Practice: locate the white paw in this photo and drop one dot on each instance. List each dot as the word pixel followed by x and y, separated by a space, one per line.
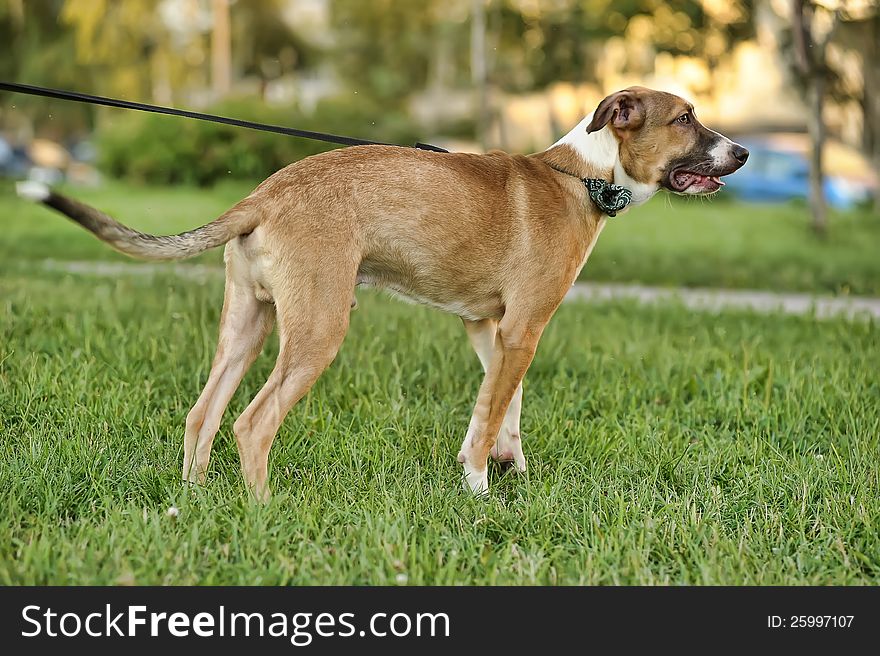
pixel 475 480
pixel 508 448
pixel 193 473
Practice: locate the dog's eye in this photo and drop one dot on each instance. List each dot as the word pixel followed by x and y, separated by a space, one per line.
pixel 684 118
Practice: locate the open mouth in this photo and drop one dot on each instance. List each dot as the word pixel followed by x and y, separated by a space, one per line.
pixel 682 180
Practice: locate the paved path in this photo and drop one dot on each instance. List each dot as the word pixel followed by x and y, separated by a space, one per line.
pixel 111 269
pixel 852 307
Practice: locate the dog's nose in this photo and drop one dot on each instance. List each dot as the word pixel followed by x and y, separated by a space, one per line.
pixel 740 153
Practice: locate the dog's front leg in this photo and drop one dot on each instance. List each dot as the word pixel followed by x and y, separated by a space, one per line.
pixel 512 352
pixel 508 446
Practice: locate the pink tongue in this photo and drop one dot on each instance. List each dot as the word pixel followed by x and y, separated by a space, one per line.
pixel 701 179
pixel 689 178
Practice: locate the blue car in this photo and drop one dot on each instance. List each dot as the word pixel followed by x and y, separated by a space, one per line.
pixel 14 162
pixel 778 170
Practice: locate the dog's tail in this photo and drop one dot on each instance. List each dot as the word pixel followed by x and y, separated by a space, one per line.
pixel 239 220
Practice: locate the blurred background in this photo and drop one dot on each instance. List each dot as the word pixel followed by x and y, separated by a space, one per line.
pixel 796 81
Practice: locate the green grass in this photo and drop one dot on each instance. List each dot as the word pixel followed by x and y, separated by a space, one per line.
pixel 670 241
pixel 719 243
pixel 32 232
pixel 664 446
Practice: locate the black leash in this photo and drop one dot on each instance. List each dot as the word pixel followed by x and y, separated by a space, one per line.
pixel 157 109
pixel 610 198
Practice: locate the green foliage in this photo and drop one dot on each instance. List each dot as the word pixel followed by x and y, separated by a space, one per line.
pixel 124 44
pixel 36 49
pixel 161 150
pixel 385 48
pixel 391 48
pixel 25 29
pixel 263 44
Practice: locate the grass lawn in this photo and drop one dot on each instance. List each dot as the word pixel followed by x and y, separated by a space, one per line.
pixel 670 241
pixel 664 446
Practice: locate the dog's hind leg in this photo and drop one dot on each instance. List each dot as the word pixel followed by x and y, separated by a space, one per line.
pixel 312 322
pixel 508 446
pixel 244 324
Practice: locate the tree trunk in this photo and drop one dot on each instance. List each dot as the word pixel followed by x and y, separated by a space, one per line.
pixel 221 49
pixel 816 128
pixel 16 10
pixel 810 64
pixel 441 72
pixel 162 92
pixel 478 68
pixel 871 98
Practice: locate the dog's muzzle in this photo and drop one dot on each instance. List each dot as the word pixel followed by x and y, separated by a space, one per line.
pixel 703 176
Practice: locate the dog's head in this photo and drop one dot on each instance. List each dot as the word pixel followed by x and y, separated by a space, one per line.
pixel 662 144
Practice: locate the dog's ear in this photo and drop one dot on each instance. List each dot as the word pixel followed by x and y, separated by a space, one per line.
pixel 622 109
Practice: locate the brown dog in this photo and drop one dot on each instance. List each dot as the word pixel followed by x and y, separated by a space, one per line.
pixel 497 239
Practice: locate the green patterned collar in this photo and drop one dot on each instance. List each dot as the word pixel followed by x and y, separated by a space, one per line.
pixel 608 197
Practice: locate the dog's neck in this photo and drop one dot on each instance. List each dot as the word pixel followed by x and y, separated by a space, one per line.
pixel 595 155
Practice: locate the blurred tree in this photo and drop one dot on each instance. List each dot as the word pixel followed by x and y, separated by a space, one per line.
pixel 834 57
pixel 547 42
pixel 117 39
pixel 813 26
pixel 387 47
pixel 389 44
pixel 859 35
pixel 871 91
pixel 264 45
pixel 37 50
pixel 221 48
pixel 390 49
pixel 479 74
